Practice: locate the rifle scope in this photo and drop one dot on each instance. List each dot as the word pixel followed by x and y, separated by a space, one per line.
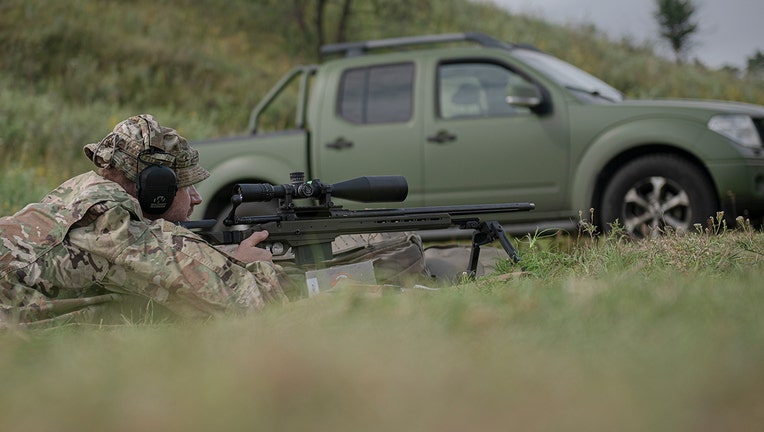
pixel 362 189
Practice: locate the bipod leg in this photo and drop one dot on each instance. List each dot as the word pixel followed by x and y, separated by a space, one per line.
pixel 498 233
pixel 474 256
pixel 485 233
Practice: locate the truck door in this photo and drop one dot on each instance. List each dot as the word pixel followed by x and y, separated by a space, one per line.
pixel 480 149
pixel 368 125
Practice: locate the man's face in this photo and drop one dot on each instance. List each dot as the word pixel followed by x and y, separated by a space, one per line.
pixel 183 205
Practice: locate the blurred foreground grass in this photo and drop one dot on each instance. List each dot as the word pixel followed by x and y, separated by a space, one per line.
pixel 607 334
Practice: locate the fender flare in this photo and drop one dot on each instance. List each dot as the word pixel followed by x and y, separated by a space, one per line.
pixel 647 135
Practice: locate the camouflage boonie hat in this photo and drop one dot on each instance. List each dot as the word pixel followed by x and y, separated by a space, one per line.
pixel 141 133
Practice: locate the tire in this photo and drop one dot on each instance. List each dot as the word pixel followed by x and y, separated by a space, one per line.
pixel 654 193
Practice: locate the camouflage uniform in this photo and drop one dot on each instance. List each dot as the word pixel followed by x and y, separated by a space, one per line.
pixel 86 251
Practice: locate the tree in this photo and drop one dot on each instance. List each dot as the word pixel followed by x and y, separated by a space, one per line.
pixel 675 18
pixel 755 64
pixel 334 21
pixel 315 35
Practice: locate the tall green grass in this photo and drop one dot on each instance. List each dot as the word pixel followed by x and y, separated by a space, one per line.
pixel 41 139
pixel 19 186
pixel 659 335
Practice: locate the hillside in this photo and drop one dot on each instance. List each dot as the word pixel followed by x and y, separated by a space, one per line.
pixel 70 70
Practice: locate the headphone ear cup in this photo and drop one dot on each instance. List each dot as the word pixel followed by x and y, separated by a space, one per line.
pixel 156 188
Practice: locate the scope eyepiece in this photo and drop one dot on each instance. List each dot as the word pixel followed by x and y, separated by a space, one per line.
pixel 258 192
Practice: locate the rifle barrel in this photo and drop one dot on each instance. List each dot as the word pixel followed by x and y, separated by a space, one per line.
pixel 458 210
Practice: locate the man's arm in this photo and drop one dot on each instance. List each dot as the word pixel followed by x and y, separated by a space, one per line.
pixel 173 267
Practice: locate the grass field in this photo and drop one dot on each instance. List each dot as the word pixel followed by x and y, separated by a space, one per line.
pixel 607 334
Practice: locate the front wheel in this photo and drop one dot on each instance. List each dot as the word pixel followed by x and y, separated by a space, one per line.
pixel 658 192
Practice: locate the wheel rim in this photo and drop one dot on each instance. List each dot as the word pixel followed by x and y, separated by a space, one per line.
pixel 653 204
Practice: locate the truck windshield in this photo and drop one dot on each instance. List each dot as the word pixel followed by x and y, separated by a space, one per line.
pixel 584 85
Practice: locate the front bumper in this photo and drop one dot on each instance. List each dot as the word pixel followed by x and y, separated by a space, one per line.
pixel 740 186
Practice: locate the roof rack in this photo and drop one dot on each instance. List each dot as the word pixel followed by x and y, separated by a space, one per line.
pixel 352 49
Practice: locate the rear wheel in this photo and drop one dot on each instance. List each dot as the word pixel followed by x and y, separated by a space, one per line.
pixel 658 192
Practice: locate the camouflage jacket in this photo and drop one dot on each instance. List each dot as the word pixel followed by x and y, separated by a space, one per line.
pixel 86 248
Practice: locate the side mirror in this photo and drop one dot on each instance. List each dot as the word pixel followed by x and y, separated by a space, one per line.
pixel 523 95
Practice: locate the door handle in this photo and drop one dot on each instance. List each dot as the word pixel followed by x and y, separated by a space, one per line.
pixel 441 137
pixel 339 144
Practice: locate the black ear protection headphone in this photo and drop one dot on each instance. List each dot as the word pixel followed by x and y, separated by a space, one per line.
pixel 157 184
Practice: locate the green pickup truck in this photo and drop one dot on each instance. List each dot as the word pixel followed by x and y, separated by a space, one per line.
pixel 468 119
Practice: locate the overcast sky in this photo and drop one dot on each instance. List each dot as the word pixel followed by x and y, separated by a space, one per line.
pixel 729 31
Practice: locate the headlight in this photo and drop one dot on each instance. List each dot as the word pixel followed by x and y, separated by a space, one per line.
pixel 738 128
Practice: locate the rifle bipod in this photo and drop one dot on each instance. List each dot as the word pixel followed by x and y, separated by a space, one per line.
pixel 487 232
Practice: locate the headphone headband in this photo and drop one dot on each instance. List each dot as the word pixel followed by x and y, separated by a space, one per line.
pixel 156 156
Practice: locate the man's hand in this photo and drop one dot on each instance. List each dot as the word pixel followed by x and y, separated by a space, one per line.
pixel 248 250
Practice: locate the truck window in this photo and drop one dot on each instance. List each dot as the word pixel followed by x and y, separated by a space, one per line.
pixel 377 94
pixel 475 90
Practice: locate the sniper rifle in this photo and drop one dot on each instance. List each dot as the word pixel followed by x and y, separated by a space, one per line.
pixel 308 231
